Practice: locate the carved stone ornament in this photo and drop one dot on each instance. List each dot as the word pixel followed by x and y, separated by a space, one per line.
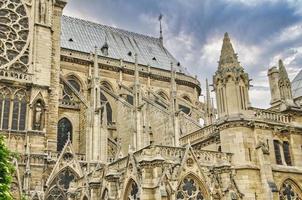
pixel 14 31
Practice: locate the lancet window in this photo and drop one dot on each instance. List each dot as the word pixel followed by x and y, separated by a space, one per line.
pixel 5 96
pixel 64 132
pixel 286 151
pixel 19 111
pixel 105 102
pixel 277 152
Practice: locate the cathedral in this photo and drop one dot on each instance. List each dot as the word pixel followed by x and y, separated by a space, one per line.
pixel 96 112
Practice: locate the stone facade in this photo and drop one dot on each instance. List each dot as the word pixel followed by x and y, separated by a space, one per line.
pixel 121 120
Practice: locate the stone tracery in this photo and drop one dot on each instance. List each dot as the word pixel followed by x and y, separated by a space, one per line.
pixel 14 30
pixel 189 189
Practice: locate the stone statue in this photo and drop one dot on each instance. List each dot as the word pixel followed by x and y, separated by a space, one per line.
pixel 264 147
pixel 42 11
pixel 38 114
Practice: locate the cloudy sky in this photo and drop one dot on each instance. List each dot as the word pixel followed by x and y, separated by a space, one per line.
pixel 262 31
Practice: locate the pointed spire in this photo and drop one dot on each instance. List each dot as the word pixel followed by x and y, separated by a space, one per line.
pixel 228 57
pixel 282 71
pixel 161 39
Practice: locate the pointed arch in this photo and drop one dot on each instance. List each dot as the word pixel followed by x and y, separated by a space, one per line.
pixel 61 183
pixel 132 191
pixel 105 194
pixel 191 187
pixel 19 110
pixel 64 131
pixel 5 99
pixel 104 101
pixel 163 94
pixel 75 77
pixel 106 84
pixel 290 190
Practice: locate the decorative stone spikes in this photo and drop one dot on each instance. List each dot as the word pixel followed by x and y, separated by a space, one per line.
pixel 282 71
pixel 228 58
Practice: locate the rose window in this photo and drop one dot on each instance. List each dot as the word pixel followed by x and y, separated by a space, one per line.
pixel 14 30
pixel 189 189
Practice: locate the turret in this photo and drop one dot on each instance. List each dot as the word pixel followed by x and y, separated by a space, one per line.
pixel 231 83
pixel 273 77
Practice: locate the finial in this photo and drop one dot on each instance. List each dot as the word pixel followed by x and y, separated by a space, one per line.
pixel 226 35
pixel 160 29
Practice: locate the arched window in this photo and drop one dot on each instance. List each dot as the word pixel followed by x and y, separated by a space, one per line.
pixel 74 82
pixel 67 92
pixel 60 185
pixel 277 152
pixel 19 111
pixel 108 108
pixel 290 191
pixel 38 115
pixel 132 191
pixel 64 131
pixel 286 151
pixel 4 107
pixel 189 188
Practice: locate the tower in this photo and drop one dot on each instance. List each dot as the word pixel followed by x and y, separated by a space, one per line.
pixel 231 83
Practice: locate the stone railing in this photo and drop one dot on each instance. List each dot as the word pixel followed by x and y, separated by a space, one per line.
pixel 53 155
pixel 212 157
pixel 204 157
pixel 15 76
pixel 272 116
pixel 69 104
pixel 197 135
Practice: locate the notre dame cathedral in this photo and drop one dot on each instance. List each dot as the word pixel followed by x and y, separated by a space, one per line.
pixel 96 112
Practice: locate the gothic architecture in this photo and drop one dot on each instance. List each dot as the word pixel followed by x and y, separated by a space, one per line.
pixel 95 112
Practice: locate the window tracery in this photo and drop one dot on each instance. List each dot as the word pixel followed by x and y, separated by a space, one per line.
pixel 14 30
pixel 5 95
pixel 289 191
pixel 61 185
pixel 19 111
pixel 64 132
pixel 189 189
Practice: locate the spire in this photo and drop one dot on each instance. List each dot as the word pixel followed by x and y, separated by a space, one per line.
pixel 282 71
pixel 228 57
pixel 160 29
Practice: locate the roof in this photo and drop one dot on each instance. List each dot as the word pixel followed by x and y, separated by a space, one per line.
pixel 83 36
pixel 297 85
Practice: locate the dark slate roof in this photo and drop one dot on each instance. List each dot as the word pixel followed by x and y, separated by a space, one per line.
pixel 83 36
pixel 297 85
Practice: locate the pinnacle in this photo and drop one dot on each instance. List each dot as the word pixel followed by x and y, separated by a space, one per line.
pixel 228 57
pixel 282 70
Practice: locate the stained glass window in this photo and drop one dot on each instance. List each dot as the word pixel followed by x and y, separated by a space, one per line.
pixel 19 111
pixel 64 131
pixel 189 189
pixel 290 191
pixel 61 185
